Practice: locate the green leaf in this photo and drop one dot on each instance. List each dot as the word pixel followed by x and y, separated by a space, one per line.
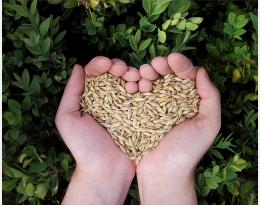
pixel 44 27
pixel 21 10
pixel 38 167
pixel 125 1
pixel 11 172
pixel 166 24
pixel 41 190
pixel 13 105
pixel 152 50
pixel 228 29
pixel 191 26
pixel 22 199
pixel 239 32
pixel 26 77
pixel 65 164
pixel 238 164
pixel 181 24
pixel 46 44
pixel 26 104
pixel 33 7
pixel 241 21
pixel 196 20
pixel 160 7
pixel 138 36
pixel 54 185
pixel 216 153
pixel 132 42
pixel 14 134
pixel 160 49
pixel 147 5
pixel 29 189
pixel 232 18
pixel 70 4
pixel 35 86
pixel 178 6
pixel 13 118
pixel 55 1
pixel 144 44
pixel 162 36
pixel 254 20
pixel 233 189
pixel 146 26
pixel 28 42
pixel 59 37
pixel 8 185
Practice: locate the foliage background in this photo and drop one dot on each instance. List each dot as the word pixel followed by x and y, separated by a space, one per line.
pixel 43 39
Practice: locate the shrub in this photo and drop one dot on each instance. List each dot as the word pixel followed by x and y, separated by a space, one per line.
pixel 43 39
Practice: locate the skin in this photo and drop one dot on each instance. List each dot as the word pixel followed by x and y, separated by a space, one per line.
pixel 103 173
pixel 169 168
pixel 131 87
pixel 118 67
pixel 132 74
pixel 160 65
pixel 145 85
pixel 165 175
pixel 148 72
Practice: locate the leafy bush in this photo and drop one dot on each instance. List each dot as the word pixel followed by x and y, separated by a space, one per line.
pixel 43 39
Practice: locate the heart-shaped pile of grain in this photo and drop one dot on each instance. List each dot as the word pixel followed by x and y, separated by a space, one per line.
pixel 137 122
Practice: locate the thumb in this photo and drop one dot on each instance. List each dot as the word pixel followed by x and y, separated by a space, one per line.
pixel 70 101
pixel 210 107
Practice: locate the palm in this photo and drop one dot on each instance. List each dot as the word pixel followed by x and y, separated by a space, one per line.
pixel 93 147
pixel 185 144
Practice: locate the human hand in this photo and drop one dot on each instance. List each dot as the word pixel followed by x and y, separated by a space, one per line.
pixel 166 174
pixel 103 173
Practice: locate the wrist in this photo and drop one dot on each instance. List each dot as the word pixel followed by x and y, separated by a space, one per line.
pixel 172 187
pixel 106 186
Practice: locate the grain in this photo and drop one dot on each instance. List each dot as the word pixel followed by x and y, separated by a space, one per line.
pixel 137 122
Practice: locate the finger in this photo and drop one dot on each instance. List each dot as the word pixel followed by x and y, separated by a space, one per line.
pixel 98 65
pixel 118 67
pixel 210 106
pixel 131 87
pixel 181 66
pixel 145 85
pixel 70 101
pixel 148 72
pixel 161 66
pixel 132 74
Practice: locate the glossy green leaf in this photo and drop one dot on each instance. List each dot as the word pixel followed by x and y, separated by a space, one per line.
pixel 162 36
pixel 29 189
pixel 160 6
pixel 41 190
pixel 22 11
pixel 144 44
pixel 44 27
pixel 13 105
pixel 138 36
pixel 132 42
pixel 147 5
pixel 26 76
pixel 70 4
pixel 35 86
pixel 33 7
pixel 232 18
pixel 146 26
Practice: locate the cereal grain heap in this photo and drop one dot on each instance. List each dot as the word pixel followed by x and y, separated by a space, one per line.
pixel 137 122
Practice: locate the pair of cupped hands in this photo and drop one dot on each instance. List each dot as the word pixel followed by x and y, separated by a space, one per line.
pixel 165 175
